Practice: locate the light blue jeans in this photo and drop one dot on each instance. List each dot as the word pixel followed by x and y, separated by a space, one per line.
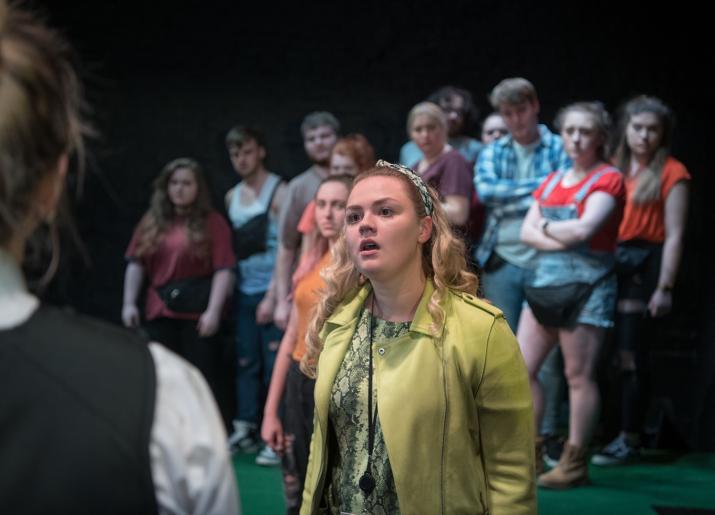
pixel 504 288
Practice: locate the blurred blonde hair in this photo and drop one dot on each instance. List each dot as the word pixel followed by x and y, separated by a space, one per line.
pixel 597 111
pixel 443 261
pixel 429 109
pixel 40 111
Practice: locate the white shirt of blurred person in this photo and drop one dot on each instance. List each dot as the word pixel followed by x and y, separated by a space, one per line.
pixel 320 132
pixel 493 128
pixel 459 107
pixel 188 469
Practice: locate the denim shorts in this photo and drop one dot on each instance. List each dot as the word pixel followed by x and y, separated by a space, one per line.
pixel 600 307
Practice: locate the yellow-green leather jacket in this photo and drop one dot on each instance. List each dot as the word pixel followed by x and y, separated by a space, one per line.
pixel 455 410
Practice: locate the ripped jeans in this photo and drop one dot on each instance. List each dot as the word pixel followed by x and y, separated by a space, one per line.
pixel 256 348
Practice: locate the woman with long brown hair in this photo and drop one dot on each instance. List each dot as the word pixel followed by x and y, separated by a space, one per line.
pixel 422 401
pixel 183 247
pixel 650 246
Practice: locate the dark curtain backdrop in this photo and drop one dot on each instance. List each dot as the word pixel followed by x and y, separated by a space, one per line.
pixel 168 79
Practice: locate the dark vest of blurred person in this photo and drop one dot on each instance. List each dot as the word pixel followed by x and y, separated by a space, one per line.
pixel 96 387
pixel 93 419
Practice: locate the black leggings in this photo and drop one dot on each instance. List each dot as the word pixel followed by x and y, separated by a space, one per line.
pixel 298 426
pixel 182 337
pixel 638 269
pixel 633 334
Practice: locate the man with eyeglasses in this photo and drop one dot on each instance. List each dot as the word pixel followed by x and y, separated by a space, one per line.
pixel 493 128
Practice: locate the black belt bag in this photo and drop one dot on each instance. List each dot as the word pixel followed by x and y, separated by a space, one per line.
pixel 250 238
pixel 560 306
pixel 186 295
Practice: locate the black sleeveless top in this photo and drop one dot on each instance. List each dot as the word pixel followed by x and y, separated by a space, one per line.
pixel 76 410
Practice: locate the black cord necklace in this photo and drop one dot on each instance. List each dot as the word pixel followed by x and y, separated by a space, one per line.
pixel 367 481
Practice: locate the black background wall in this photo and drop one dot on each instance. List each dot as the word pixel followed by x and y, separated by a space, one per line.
pixel 167 79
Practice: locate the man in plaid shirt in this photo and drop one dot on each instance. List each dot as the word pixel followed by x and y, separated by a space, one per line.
pixel 507 172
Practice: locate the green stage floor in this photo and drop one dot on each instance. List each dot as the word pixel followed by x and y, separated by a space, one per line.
pixel 663 483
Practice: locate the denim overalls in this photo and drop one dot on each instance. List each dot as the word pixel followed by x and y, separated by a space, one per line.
pixel 579 263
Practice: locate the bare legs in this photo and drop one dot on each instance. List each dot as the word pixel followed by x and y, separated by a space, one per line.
pixel 580 347
pixel 535 342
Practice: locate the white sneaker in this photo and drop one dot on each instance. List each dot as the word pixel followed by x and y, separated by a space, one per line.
pixel 618 452
pixel 244 437
pixel 268 458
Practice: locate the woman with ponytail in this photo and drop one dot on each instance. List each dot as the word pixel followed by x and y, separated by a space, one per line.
pixel 422 400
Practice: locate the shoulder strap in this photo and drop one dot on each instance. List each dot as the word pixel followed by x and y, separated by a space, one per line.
pixel 273 193
pixel 552 184
pixel 586 187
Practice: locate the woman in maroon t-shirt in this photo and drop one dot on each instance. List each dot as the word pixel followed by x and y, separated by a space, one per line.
pixel 574 224
pixel 179 238
pixel 442 167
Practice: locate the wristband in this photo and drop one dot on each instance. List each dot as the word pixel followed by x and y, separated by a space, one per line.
pixel 544 225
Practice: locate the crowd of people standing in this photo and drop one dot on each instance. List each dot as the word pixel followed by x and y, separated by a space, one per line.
pixel 401 330
pixel 556 225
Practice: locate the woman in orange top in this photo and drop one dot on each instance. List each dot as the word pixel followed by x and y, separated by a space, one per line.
pixel 291 438
pixel 650 247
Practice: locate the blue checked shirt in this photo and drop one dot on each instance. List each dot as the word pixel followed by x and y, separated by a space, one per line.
pixel 506 195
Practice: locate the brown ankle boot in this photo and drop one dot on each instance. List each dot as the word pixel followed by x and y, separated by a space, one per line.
pixel 539 461
pixel 572 469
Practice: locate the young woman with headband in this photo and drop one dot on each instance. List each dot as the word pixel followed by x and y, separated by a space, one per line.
pixel 422 401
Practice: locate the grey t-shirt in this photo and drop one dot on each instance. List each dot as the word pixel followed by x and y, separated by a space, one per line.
pixel 301 190
pixel 509 245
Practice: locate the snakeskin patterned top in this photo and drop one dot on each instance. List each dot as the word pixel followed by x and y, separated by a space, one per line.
pixel 349 422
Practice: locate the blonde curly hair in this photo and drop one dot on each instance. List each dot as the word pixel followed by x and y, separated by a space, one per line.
pixel 443 261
